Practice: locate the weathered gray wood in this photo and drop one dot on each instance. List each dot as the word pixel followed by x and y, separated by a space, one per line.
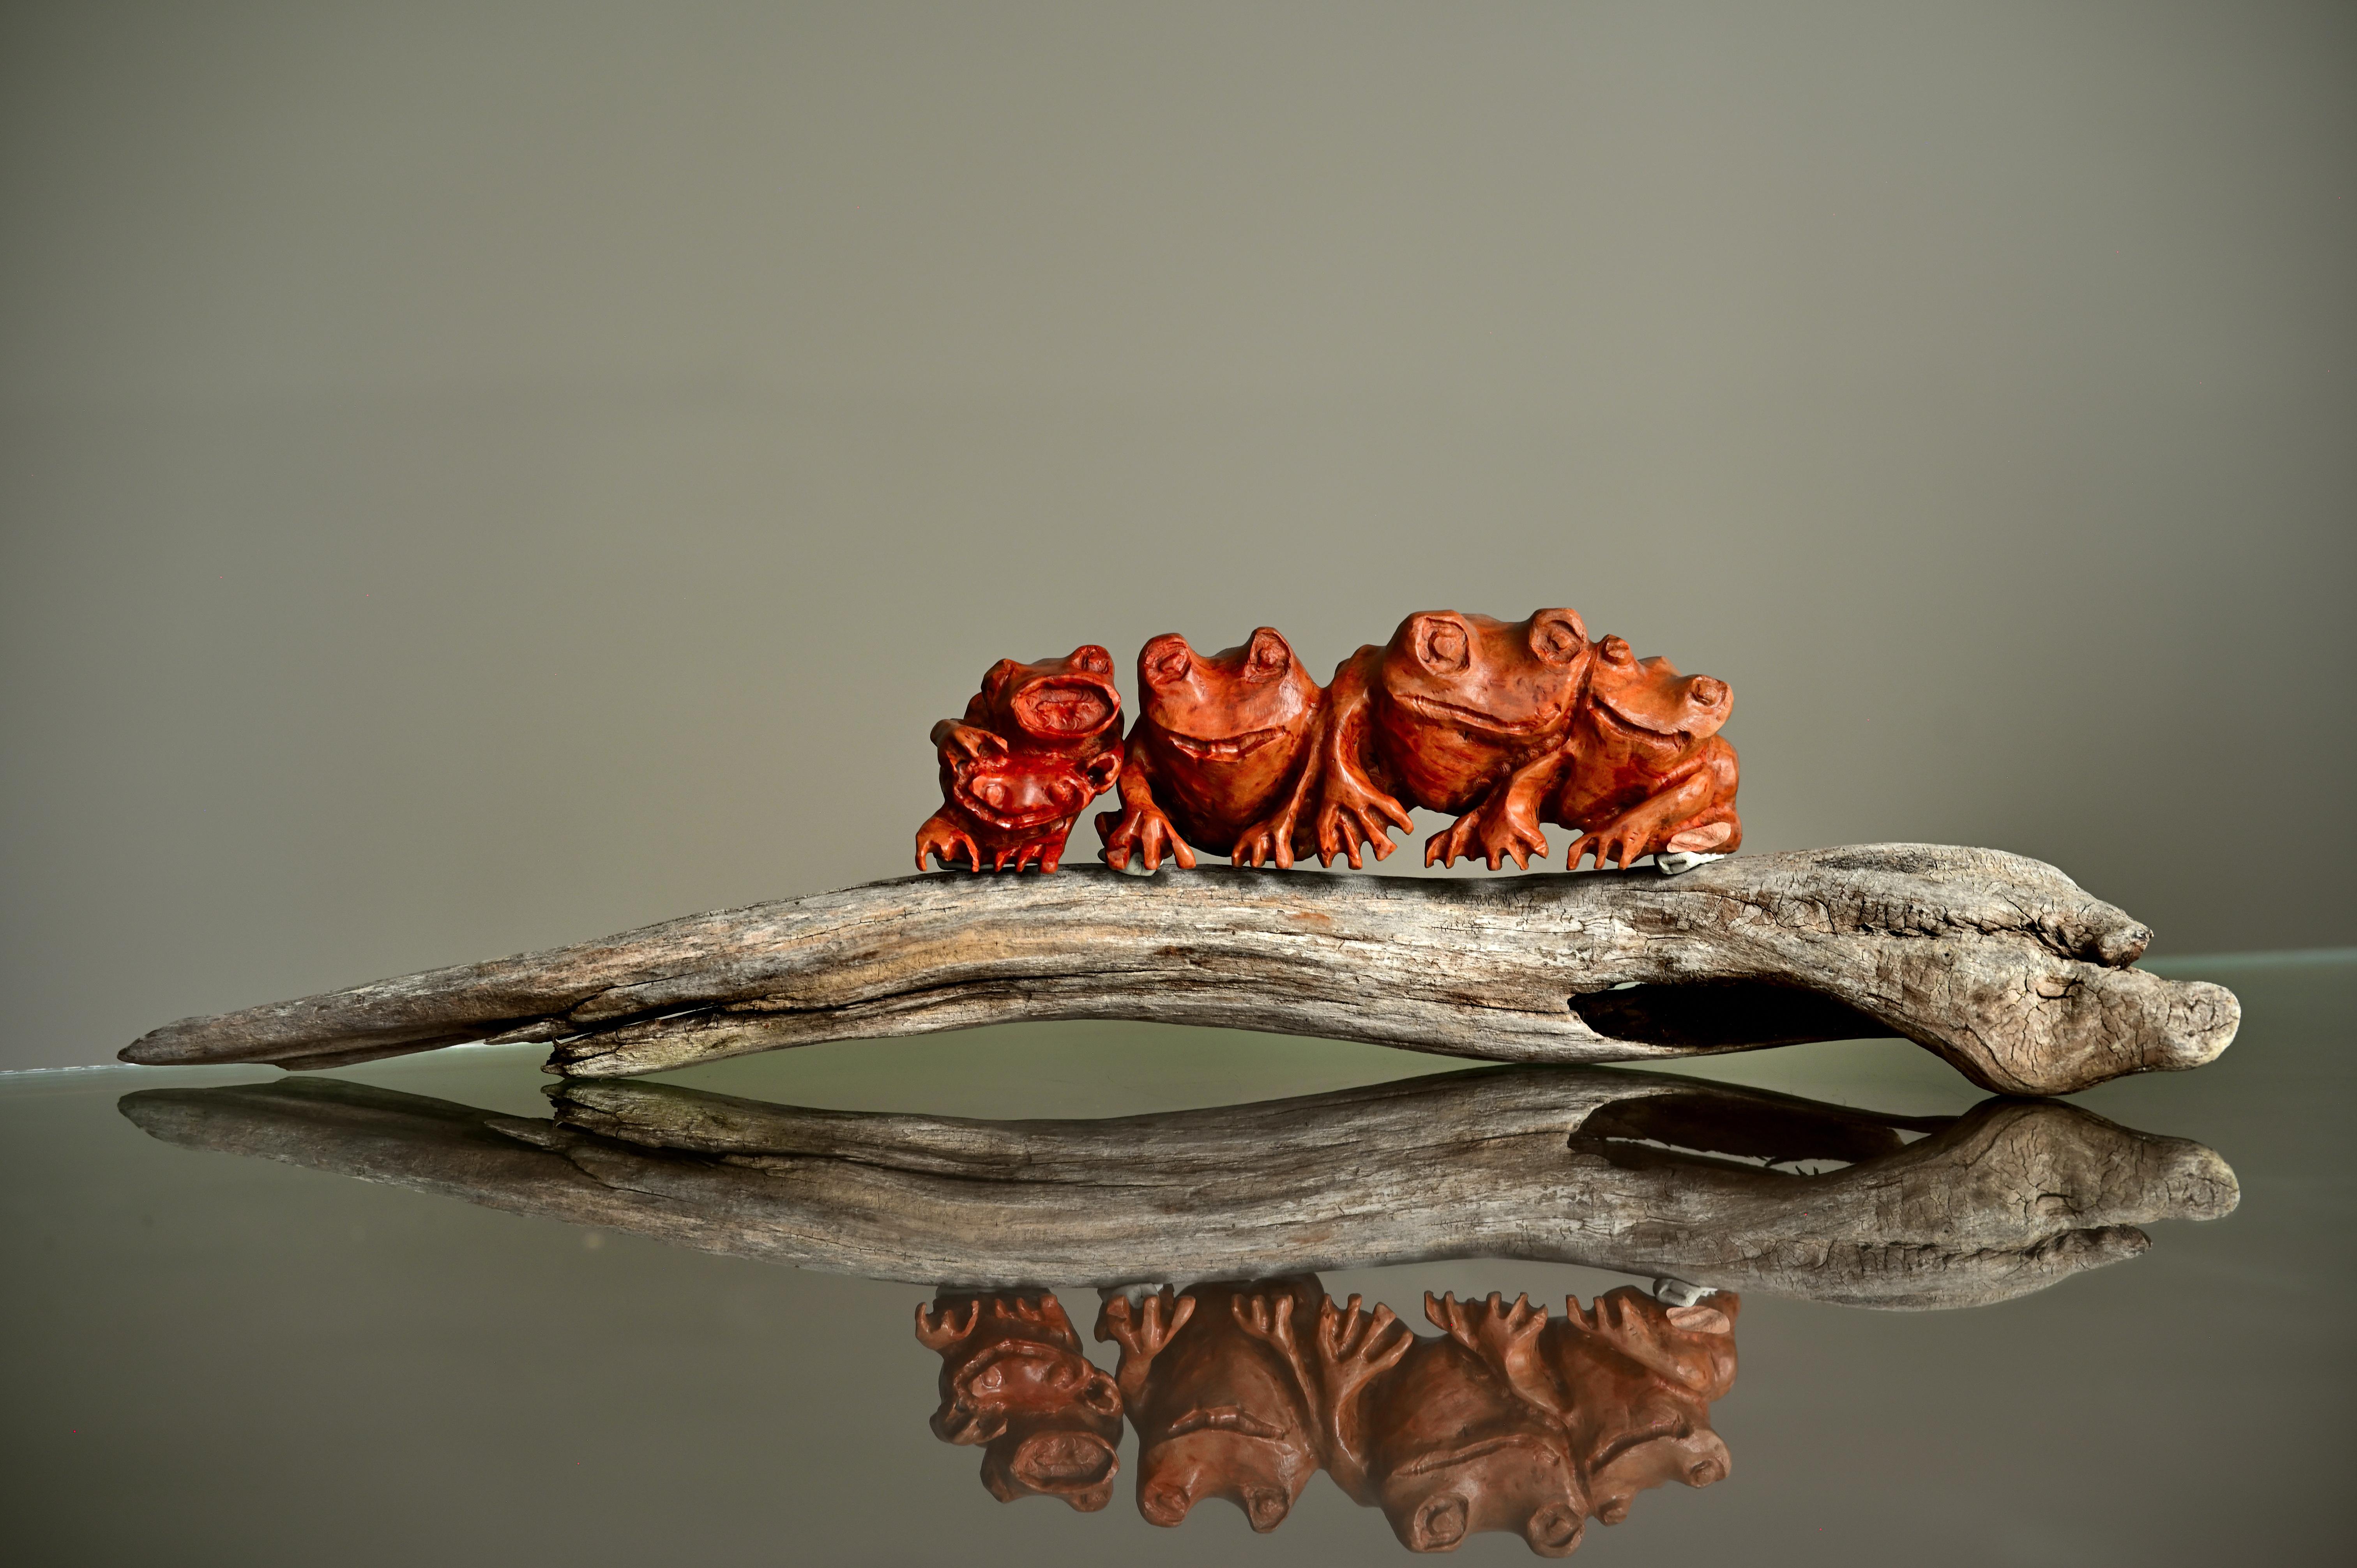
pixel 1637 1172
pixel 2002 965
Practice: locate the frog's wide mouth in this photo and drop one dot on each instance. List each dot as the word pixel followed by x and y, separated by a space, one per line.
pixel 1488 723
pixel 1619 719
pixel 1066 707
pixel 1226 1418
pixel 1012 822
pixel 1447 1458
pixel 1063 1461
pixel 1234 748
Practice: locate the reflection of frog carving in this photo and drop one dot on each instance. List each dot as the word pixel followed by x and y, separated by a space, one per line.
pixel 1454 1446
pixel 1038 742
pixel 1219 1411
pixel 1014 1382
pixel 1641 1377
pixel 1221 740
pixel 1647 770
pixel 1457 714
pixel 1507 1421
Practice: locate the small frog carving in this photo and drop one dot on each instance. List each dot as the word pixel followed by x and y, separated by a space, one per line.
pixel 1038 742
pixel 1015 1384
pixel 1221 739
pixel 1647 769
pixel 1641 1377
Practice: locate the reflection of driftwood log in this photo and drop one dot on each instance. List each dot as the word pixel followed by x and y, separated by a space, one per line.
pixel 2001 965
pixel 1636 1172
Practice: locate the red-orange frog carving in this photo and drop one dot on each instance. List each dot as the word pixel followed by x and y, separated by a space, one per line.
pixel 1507 1421
pixel 1220 1411
pixel 1039 741
pixel 1014 1382
pixel 1456 712
pixel 1223 739
pixel 1645 769
pixel 1641 1377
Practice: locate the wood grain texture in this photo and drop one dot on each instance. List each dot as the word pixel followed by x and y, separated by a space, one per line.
pixel 2000 964
pixel 1642 1173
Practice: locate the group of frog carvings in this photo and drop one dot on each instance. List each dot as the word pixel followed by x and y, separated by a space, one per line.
pixel 1506 1421
pixel 1503 724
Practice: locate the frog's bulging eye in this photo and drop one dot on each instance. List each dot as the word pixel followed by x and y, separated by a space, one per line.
pixel 1557 640
pixel 1708 692
pixel 1439 1524
pixel 1442 645
pixel 1555 1530
pixel 1619 651
pixel 1092 659
pixel 1167 659
pixel 1270 656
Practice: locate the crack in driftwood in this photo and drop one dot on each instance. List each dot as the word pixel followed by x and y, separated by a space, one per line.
pixel 2000 964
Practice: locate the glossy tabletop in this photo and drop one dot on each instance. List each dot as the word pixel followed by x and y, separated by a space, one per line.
pixel 295 1329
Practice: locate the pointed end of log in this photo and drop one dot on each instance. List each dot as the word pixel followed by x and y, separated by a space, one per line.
pixel 160 1047
pixel 2202 1021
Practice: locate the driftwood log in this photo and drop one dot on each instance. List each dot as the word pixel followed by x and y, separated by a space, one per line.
pixel 1642 1173
pixel 2001 965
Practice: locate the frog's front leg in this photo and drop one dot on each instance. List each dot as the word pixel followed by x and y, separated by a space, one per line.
pixel 1627 838
pixel 955 737
pixel 1351 1349
pixel 944 834
pixel 1141 825
pixel 1271 841
pixel 1141 1329
pixel 1350 809
pixel 1505 824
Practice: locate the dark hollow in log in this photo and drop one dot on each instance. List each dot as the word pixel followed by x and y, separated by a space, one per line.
pixel 1642 1173
pixel 2001 965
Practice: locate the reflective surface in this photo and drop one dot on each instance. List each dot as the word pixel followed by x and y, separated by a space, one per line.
pixel 541 1330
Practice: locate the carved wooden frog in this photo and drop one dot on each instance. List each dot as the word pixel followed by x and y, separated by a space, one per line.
pixel 1223 739
pixel 1646 769
pixel 1641 1377
pixel 1038 742
pixel 1456 712
pixel 1015 1384
pixel 1220 1412
pixel 1454 1445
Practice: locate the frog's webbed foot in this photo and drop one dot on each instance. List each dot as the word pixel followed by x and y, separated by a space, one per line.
pixel 944 1324
pixel 1145 830
pixel 1505 1337
pixel 1267 842
pixel 1353 1346
pixel 1048 852
pixel 942 837
pixel 1495 831
pixel 1628 838
pixel 1349 814
pixel 1142 1328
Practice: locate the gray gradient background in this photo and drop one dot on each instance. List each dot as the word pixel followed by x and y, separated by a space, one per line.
pixel 480 476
